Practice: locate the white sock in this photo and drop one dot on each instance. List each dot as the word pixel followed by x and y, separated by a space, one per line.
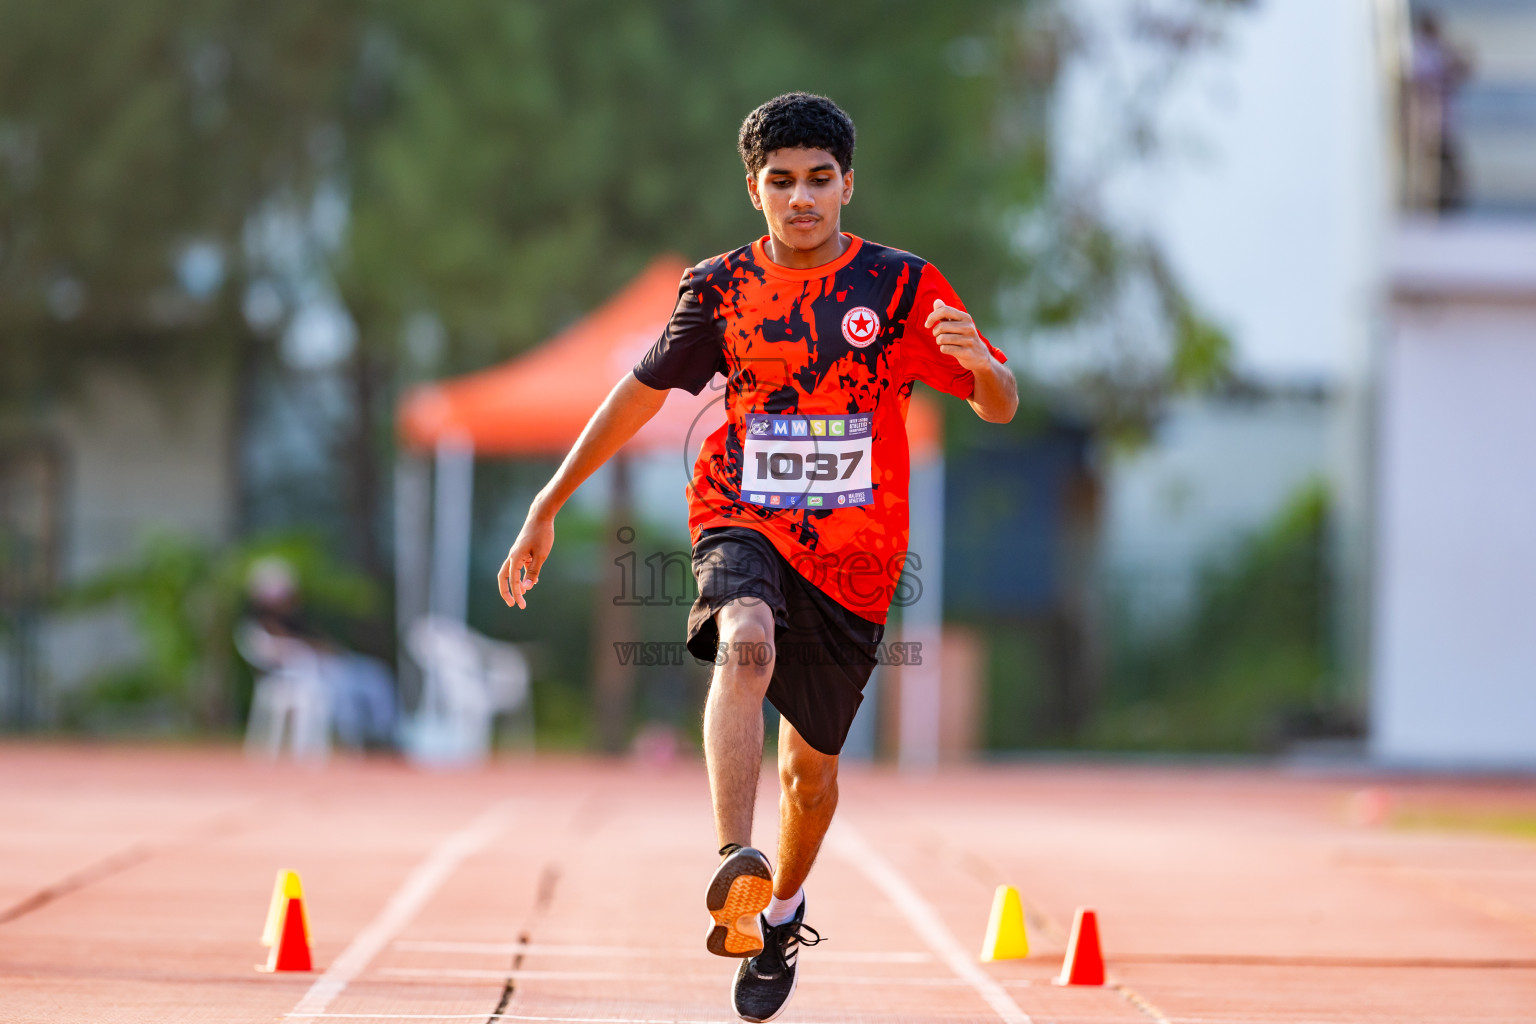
pixel 780 911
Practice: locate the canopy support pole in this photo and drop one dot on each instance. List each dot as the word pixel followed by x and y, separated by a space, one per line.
pixel 452 513
pixel 413 518
pixel 614 620
pixel 922 622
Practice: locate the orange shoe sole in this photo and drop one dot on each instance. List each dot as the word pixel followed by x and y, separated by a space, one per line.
pixel 738 893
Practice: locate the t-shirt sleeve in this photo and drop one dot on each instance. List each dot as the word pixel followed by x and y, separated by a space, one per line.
pixel 924 360
pixel 691 349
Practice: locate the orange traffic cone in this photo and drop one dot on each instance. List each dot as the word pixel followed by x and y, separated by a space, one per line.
pixel 287 930
pixel 1084 964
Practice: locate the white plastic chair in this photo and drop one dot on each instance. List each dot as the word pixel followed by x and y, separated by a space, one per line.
pixel 289 707
pixel 467 680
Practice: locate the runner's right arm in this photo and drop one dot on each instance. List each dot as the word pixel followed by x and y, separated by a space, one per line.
pixel 628 407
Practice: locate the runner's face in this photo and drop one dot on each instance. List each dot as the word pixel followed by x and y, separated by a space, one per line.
pixel 801 193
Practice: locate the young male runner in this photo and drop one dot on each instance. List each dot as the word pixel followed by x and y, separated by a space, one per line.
pixel 798 504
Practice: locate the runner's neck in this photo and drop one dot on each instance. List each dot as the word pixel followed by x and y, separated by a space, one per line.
pixel 796 259
pixel 761 252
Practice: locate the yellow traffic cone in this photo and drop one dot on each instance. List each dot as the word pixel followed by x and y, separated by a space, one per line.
pixel 1006 939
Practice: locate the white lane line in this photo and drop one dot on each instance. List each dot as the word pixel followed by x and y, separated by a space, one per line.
pixel 526 1017
pixel 407 900
pixel 519 974
pixel 605 952
pixel 849 843
pixel 519 1016
pixel 840 956
pixel 720 1020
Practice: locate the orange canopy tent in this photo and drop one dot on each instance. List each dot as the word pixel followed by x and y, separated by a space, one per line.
pixel 537 403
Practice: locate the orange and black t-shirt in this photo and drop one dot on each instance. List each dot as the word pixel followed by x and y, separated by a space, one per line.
pixel 819 366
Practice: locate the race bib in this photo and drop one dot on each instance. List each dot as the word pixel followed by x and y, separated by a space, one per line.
pixel 807 461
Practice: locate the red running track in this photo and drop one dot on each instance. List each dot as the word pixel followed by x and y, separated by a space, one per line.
pixel 134 883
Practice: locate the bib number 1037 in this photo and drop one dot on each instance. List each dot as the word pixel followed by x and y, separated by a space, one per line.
pixel 815 466
pixel 813 462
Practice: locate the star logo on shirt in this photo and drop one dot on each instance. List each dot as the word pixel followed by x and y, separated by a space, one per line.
pixel 861 326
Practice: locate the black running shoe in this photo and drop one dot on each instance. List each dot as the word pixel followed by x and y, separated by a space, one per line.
pixel 765 982
pixel 737 896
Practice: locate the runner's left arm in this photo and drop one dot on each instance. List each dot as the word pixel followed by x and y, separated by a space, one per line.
pixel 948 353
pixel 996 394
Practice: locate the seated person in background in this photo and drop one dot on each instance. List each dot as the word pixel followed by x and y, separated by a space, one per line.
pixel 359 690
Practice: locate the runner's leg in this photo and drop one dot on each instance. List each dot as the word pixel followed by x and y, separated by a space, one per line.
pixel 808 779
pixel 733 717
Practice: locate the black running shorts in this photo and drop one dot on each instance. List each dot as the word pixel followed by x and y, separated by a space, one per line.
pixel 823 653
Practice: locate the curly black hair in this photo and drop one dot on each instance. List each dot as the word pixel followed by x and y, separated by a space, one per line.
pixel 796 120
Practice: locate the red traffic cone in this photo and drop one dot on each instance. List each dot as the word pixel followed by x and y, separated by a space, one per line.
pixel 287 930
pixel 1084 964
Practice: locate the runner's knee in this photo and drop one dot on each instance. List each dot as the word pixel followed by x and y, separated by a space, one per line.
pixel 809 781
pixel 752 634
pixel 746 633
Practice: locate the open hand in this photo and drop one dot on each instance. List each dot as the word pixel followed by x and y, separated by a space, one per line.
pixel 520 571
pixel 956 335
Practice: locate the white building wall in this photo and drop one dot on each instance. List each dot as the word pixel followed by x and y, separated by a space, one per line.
pixel 139 462
pixel 136 463
pixel 1270 197
pixel 1455 637
pixel 1271 189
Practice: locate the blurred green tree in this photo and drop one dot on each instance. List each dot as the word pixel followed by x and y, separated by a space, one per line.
pixel 1254 664
pixel 468 177
pixel 504 164
pixel 536 156
pixel 135 142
